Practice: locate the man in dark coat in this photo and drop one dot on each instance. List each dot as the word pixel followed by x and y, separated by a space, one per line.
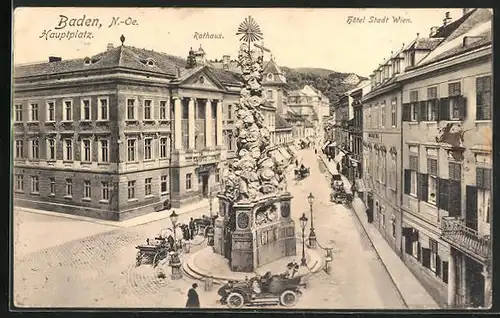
pixel 191 228
pixel 193 301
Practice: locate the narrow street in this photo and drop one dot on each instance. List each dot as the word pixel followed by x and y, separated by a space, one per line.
pixel 100 269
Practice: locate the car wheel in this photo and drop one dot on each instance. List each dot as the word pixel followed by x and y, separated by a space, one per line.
pixel 235 300
pixel 288 298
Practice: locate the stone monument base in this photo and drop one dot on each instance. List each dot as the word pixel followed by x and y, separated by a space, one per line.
pixel 252 233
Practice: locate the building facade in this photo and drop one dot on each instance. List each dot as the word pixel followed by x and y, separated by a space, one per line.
pixel 114 138
pixel 447 162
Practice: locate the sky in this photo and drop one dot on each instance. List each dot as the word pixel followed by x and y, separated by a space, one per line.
pixel 321 38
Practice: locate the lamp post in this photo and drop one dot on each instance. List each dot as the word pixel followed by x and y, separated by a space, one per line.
pixel 175 262
pixel 210 231
pixel 303 223
pixel 312 235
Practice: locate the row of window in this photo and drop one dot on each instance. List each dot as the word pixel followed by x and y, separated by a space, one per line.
pixel 67 110
pixel 103 110
pixel 428 257
pixel 86 149
pixel 452 107
pixel 384 166
pixel 375 115
pixel 446 194
pixel 87 187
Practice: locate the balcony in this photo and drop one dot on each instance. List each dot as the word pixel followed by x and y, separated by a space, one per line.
pixel 456 233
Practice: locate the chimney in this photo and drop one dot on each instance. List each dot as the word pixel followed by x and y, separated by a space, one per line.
pixel 226 60
pixel 53 59
pixel 109 47
pixel 433 31
pixel 447 18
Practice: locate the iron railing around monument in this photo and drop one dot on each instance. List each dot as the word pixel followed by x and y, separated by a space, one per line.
pixel 456 233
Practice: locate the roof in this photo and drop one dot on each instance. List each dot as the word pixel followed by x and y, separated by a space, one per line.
pixel 128 57
pixel 485 39
pixel 281 122
pixel 272 67
pixel 447 30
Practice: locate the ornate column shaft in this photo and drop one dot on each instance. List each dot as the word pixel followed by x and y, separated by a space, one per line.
pixel 208 124
pixel 219 123
pixel 191 130
pixel 177 123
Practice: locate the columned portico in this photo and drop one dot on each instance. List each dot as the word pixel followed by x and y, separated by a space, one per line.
pixel 177 123
pixel 219 123
pixel 191 125
pixel 208 124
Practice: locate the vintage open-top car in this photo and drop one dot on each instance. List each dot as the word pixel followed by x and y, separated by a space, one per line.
pixel 301 172
pixel 261 291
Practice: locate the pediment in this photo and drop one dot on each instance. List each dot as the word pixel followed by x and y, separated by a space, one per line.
pixel 203 78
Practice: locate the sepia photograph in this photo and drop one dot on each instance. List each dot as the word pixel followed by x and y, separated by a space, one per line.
pixel 251 158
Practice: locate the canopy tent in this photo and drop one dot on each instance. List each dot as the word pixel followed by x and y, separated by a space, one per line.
pixel 339 157
pixel 284 153
pixel 278 155
pixel 325 145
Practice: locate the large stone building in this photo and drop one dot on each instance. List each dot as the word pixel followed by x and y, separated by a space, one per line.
pixel 116 134
pixel 446 157
pixel 382 132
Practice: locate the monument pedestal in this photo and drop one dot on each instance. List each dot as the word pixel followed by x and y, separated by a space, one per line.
pixel 252 233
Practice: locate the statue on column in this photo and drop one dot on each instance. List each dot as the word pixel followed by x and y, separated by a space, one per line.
pixel 254 172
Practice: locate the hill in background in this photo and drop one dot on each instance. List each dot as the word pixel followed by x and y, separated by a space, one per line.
pixel 330 83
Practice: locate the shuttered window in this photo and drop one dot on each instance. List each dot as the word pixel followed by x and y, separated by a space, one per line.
pixel 445 272
pixel 483 178
pixel 484 98
pixel 432 104
pixel 414 106
pixel 432 179
pixel 456 102
pixel 426 257
pixel 443 194
pixel 413 162
pixel 455 171
pixel 433 255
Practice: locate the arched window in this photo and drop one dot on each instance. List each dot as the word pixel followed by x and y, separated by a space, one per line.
pixel 202 80
pixel 270 77
pixel 87 61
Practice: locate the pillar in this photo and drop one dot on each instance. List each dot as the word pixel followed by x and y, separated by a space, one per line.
pixel 177 123
pixel 208 124
pixel 452 281
pixel 487 285
pixel 191 124
pixel 219 123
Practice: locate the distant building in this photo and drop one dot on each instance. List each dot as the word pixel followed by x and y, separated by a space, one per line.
pixel 352 79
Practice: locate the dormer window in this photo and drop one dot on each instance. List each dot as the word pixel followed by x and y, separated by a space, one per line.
pixel 150 62
pixel 270 77
pixel 87 61
pixel 201 80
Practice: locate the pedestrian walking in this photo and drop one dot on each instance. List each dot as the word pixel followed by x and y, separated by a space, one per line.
pixel 191 228
pixel 296 162
pixel 193 300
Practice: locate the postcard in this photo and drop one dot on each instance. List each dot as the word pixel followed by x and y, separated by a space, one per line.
pixel 252 158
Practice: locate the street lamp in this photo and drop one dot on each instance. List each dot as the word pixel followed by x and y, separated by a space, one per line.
pixel 210 230
pixel 312 235
pixel 175 262
pixel 303 223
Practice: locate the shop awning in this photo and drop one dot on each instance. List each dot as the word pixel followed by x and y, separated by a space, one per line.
pixel 277 155
pixel 360 185
pixel 284 153
pixel 325 144
pixel 333 144
pixel 339 157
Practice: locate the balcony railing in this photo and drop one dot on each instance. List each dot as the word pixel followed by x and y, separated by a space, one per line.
pixel 456 233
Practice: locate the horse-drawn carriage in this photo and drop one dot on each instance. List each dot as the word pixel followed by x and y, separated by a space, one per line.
pixel 154 252
pixel 301 172
pixel 339 193
pixel 203 225
pixel 268 290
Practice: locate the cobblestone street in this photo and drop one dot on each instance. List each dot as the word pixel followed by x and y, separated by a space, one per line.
pixel 99 270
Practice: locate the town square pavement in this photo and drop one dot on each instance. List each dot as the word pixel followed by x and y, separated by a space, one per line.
pixel 72 263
